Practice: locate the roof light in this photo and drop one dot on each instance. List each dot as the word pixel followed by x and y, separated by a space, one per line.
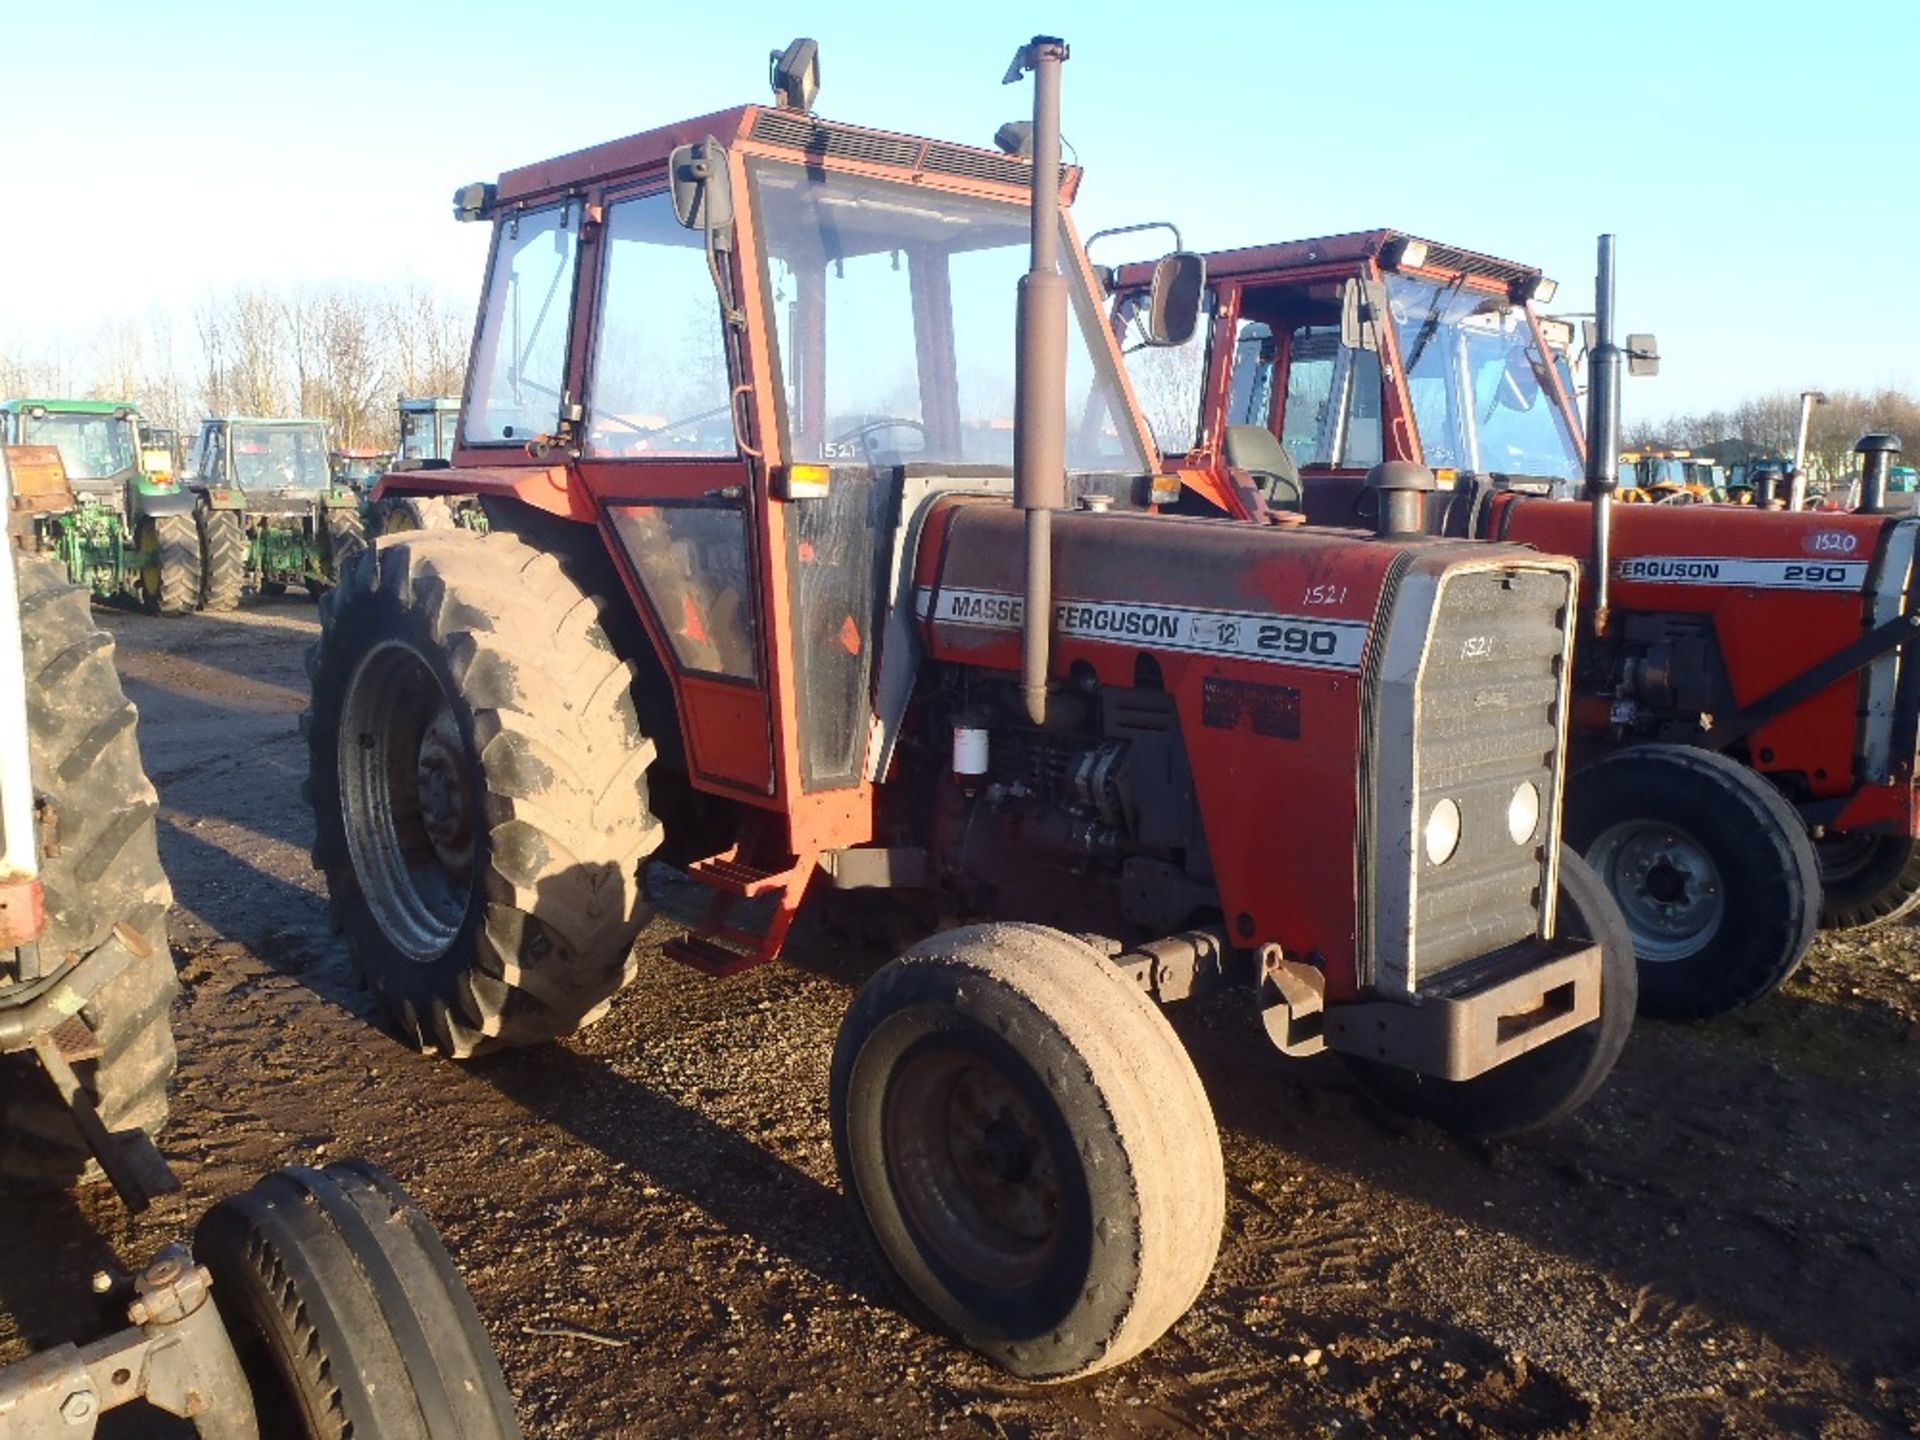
pixel 1403 252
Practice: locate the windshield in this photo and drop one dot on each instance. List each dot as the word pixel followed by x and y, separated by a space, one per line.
pixel 358 470
pixel 279 457
pixel 428 434
pixel 520 363
pixel 92 447
pixel 1478 383
pixel 893 318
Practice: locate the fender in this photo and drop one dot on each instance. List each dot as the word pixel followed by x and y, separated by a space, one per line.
pixel 153 504
pixel 551 488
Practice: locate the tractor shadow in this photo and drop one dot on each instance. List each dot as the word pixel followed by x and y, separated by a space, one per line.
pixel 1715 1174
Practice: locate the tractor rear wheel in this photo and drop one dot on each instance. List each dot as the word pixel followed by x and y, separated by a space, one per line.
pixel 1029 1147
pixel 169 577
pixel 347 1314
pixel 223 558
pixel 1713 870
pixel 103 884
pixel 1553 1081
pixel 346 538
pixel 1867 880
pixel 479 783
pixel 415 512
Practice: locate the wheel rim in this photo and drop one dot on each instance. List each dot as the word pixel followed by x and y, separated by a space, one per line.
pixel 147 541
pixel 1844 858
pixel 398 521
pixel 1667 884
pixel 407 797
pixel 969 1160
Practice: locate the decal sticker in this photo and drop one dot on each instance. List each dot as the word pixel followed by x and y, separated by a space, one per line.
pixel 1275 708
pixel 1831 542
pixel 1743 573
pixel 1285 639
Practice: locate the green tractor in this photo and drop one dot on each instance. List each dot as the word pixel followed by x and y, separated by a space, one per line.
pixel 129 533
pixel 270 512
pixel 429 429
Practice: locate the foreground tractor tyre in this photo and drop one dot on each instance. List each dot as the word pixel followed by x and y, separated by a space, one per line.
pixel 169 565
pixel 407 513
pixel 348 1316
pixel 104 886
pixel 1542 1085
pixel 1031 1151
pixel 1712 868
pixel 1867 880
pixel 223 558
pixel 346 538
pixel 479 783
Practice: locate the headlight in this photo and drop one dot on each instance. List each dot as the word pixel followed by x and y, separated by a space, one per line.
pixel 1523 812
pixel 1443 832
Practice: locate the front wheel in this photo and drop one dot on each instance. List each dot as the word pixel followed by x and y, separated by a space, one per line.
pixel 1867 880
pixel 170 564
pixel 1029 1147
pixel 1551 1082
pixel 1712 868
pixel 347 1314
pixel 223 558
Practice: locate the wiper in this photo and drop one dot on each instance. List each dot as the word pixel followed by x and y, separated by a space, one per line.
pixel 1430 326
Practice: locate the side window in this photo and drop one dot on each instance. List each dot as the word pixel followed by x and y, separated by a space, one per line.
pixel 1332 414
pixel 520 366
pixel 1168 381
pixel 1250 392
pixel 659 383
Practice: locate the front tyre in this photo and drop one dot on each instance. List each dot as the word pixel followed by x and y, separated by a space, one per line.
pixel 1553 1081
pixel 223 558
pixel 1029 1147
pixel 346 538
pixel 478 777
pixel 1712 868
pixel 1867 880
pixel 170 564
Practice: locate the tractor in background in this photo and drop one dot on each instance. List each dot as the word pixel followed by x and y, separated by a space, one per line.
pixel 127 531
pixel 338 1308
pixel 1745 698
pixel 429 431
pixel 799 572
pixel 269 512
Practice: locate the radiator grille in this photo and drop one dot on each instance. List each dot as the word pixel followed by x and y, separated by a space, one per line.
pixel 1488 721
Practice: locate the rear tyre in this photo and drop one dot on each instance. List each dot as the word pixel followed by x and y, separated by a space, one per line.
pixel 478 778
pixel 223 558
pixel 406 513
pixel 347 1314
pixel 1546 1084
pixel 1712 869
pixel 104 886
pixel 1867 880
pixel 346 538
pixel 1030 1149
pixel 170 564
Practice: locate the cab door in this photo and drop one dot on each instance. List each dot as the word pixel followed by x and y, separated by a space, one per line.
pixel 661 452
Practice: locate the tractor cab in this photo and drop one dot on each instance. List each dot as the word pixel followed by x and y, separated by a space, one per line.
pixel 98 441
pixel 359 470
pixel 428 429
pixel 270 462
pixel 1326 357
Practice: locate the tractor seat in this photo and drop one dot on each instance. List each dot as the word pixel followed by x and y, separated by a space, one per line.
pixel 1253 449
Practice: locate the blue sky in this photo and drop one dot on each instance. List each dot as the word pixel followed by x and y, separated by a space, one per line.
pixel 1756 160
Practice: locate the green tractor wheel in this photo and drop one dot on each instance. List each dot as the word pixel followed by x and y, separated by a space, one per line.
pixel 170 571
pixel 223 558
pixel 346 538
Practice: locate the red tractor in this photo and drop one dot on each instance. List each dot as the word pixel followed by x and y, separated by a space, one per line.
pixel 1744 724
pixel 799 574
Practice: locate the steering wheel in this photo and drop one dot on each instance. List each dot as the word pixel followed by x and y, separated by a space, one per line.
pixel 863 431
pixel 1279 491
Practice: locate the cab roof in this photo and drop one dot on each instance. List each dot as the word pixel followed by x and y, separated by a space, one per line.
pixel 71 407
pixel 423 404
pixel 1350 248
pixel 287 420
pixel 765 129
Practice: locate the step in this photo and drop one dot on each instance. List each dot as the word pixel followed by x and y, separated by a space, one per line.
pixel 736 877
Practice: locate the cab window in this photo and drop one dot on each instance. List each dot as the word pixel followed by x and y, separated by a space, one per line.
pixel 520 364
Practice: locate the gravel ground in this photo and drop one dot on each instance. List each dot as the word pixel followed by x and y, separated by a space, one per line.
pixel 1725 1243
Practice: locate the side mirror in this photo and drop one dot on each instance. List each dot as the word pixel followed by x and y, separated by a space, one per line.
pixel 1173 307
pixel 1643 355
pixel 702 186
pixel 1362 303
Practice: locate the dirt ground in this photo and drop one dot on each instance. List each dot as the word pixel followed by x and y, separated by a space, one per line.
pixel 1725 1243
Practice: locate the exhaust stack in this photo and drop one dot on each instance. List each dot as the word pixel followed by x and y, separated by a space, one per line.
pixel 1603 431
pixel 1040 372
pixel 1876 454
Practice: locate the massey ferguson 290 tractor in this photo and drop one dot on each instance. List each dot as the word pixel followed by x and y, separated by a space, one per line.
pixel 799 569
pixel 1744 714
